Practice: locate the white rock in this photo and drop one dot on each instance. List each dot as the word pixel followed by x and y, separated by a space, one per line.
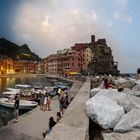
pixel 104 111
pixel 127 101
pixel 129 121
pixel 135 135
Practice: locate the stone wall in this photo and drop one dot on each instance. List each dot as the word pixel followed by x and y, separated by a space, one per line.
pixel 74 124
pixel 103 60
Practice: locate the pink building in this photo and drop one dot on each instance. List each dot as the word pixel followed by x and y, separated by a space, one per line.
pixel 68 61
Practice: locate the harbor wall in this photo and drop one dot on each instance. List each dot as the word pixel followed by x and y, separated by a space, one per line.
pixel 75 123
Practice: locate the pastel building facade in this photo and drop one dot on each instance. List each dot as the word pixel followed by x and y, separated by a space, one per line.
pixel 69 61
pixel 52 64
pixel 21 66
pixel 6 65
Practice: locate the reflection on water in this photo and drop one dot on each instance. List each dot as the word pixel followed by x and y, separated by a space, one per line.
pixel 6 82
pixel 10 82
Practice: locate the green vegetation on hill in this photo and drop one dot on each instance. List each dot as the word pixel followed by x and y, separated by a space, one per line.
pixel 14 51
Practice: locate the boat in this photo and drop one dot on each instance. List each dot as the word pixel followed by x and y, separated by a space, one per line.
pixel 23 104
pixel 49 89
pixel 61 85
pixel 37 90
pixel 25 90
pixel 23 86
pixel 11 92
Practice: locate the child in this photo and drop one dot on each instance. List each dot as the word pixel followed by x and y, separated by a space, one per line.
pixel 58 115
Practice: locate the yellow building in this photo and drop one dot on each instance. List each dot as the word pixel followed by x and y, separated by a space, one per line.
pixel 6 65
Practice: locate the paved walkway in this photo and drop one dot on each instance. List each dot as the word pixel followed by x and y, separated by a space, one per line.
pixel 31 125
pixel 74 124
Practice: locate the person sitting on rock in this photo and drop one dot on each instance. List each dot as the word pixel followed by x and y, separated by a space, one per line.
pixel 106 83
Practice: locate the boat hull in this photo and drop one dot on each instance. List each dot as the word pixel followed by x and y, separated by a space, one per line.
pixel 23 104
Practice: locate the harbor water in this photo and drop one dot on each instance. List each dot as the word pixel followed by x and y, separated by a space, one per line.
pixel 7 82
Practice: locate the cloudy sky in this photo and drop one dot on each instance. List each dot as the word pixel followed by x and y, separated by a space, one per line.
pixel 50 25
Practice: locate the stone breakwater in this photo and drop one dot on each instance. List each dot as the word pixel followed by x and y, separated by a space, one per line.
pixel 31 125
pixel 74 124
pixel 126 127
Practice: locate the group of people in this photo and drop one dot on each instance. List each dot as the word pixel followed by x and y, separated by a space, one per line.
pixel 45 102
pixel 63 104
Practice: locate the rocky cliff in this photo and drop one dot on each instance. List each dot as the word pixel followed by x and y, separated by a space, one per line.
pixel 14 51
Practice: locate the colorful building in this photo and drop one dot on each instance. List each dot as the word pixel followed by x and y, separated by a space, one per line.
pixel 69 61
pixel 6 65
pixel 52 64
pixel 45 64
pixel 22 66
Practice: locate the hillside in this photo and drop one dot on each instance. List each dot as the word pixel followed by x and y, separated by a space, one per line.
pixel 14 51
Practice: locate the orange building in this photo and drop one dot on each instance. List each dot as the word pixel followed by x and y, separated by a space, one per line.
pixel 24 66
pixel 6 65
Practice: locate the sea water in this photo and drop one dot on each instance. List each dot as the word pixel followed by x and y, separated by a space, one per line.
pixel 7 82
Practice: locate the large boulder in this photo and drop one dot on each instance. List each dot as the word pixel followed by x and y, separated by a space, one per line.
pixel 120 80
pixel 137 87
pixel 94 91
pixel 104 111
pixel 129 121
pixel 134 135
pixel 127 101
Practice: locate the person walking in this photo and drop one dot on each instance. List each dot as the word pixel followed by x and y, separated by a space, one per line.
pixel 61 105
pixel 59 93
pixel 49 103
pixel 42 98
pixel 45 103
pixel 66 102
pixel 16 108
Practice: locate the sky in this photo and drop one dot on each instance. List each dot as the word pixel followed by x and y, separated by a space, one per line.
pixel 50 25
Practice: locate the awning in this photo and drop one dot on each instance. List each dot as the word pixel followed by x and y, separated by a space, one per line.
pixel 74 73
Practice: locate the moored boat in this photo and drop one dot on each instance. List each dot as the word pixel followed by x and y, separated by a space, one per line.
pixel 11 92
pixel 22 86
pixel 24 104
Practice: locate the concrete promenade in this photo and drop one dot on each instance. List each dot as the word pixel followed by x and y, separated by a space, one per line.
pixel 31 125
pixel 75 123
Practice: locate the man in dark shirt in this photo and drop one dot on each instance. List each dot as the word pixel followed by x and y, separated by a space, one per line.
pixel 51 125
pixel 16 107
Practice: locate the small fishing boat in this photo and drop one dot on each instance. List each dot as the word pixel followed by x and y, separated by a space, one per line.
pixel 24 104
pixel 22 86
pixel 49 89
pixel 11 92
pixel 37 90
pixel 61 85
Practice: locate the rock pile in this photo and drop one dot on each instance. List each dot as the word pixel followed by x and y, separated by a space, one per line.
pixel 119 111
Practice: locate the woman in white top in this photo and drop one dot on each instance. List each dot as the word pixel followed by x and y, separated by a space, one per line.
pixel 45 103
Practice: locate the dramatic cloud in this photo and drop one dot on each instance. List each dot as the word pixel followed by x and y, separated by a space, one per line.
pixel 47 26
